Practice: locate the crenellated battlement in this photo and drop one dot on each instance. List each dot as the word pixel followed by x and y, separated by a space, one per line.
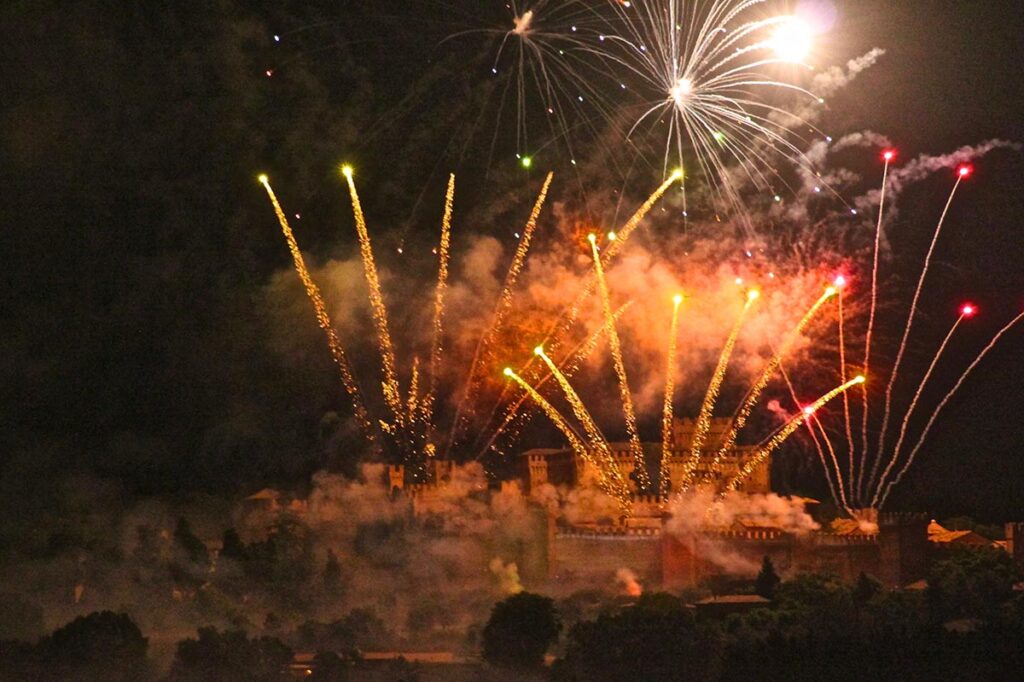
pixel 607 532
pixel 888 519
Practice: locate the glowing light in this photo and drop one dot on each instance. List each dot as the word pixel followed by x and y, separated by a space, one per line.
pixel 526 161
pixel 831 291
pixel 792 41
pixel 612 236
pixel 809 410
pixel 263 178
pixel 839 282
pixel 889 154
pixel 346 170
pixel 507 371
pixel 753 294
pixel 592 238
pixel 965 170
pixel 677 299
pixel 681 91
pixel 539 351
pixel 968 310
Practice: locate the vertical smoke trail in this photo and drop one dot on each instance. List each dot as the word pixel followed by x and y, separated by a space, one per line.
pixel 322 318
pixel 707 407
pixel 762 381
pixel 913 404
pixel 665 485
pixel 598 443
pixel 613 486
pixel 871 327
pixel 846 396
pixel 439 292
pixel 942 405
pixel 772 443
pixel 906 330
pixel 392 395
pixel 643 480
pixel 501 310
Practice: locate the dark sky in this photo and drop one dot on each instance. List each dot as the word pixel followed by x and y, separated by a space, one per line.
pixel 137 250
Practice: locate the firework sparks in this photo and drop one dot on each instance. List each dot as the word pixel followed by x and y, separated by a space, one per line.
pixel 762 381
pixel 392 395
pixel 962 173
pixel 771 444
pixel 610 485
pixel 665 484
pixel 707 407
pixel 942 404
pixel 640 463
pixel 439 294
pixel 322 318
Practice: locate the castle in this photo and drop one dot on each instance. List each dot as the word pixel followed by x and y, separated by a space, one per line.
pixel 895 548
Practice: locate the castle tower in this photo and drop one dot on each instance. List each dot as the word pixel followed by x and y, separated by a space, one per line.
pixel 1015 541
pixel 903 547
pixel 396 478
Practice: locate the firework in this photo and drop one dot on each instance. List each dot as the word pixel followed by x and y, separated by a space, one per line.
pixel 392 395
pixel 963 173
pixel 501 310
pixel 942 404
pixel 772 443
pixel 439 294
pixel 640 463
pixel 613 486
pixel 714 386
pixel 766 374
pixel 322 318
pixel 666 410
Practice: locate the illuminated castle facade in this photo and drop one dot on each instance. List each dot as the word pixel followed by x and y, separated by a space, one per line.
pixel 562 467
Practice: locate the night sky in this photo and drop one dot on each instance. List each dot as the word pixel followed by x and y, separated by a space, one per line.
pixel 137 245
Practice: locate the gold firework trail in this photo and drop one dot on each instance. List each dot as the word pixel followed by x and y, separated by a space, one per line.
pixel 322 318
pixel 665 484
pixel 436 345
pixel 610 486
pixel 642 477
pixel 501 310
pixel 762 381
pixel 714 388
pixel 570 365
pixel 392 395
pixel 598 443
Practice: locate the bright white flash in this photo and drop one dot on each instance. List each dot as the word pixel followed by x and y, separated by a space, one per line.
pixel 792 40
pixel 681 91
pixel 523 23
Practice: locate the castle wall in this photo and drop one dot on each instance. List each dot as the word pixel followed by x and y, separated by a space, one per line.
pixel 595 557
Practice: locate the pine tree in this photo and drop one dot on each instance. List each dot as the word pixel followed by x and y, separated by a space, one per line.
pixel 767 580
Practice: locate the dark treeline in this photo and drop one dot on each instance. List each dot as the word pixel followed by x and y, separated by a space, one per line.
pixel 966 624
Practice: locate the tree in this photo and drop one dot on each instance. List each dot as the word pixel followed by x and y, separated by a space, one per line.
pixel 229 656
pixel 655 639
pixel 233 548
pixel 520 631
pixel 767 580
pixel 865 589
pixel 185 539
pixel 332 573
pixel 102 645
